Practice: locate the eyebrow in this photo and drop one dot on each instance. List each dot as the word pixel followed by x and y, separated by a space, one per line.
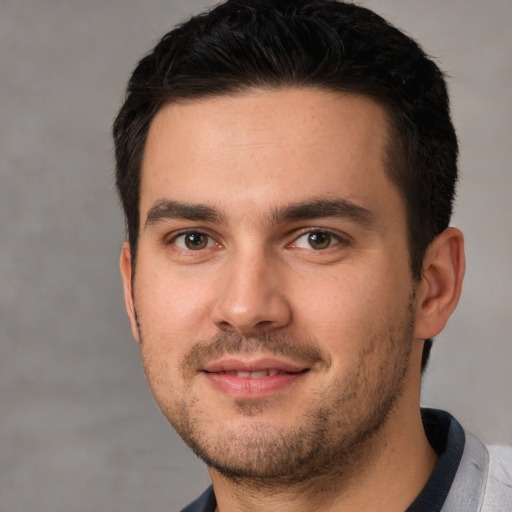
pixel 164 209
pixel 317 208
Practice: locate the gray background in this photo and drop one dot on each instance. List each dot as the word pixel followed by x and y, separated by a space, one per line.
pixel 78 428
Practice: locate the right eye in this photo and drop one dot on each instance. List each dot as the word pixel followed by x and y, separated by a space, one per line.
pixel 193 241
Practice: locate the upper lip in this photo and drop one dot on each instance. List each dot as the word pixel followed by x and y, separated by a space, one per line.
pixel 227 364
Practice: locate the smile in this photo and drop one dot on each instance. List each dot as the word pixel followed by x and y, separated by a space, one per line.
pixel 255 379
pixel 253 375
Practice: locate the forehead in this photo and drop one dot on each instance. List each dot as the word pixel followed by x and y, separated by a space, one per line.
pixel 267 146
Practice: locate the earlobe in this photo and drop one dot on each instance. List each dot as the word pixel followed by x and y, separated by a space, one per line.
pixel 126 273
pixel 441 283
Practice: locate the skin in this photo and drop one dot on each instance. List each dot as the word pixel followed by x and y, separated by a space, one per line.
pixel 296 261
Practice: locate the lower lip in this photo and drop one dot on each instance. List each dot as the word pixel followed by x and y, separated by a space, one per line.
pixel 251 387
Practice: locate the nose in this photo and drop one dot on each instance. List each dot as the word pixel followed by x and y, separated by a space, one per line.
pixel 252 297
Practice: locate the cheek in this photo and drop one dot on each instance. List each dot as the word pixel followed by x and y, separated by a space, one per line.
pixel 172 307
pixel 168 314
pixel 350 307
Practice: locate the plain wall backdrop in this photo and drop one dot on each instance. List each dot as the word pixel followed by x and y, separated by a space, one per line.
pixel 78 428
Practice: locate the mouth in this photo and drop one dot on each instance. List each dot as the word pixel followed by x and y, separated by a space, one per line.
pixel 259 374
pixel 241 378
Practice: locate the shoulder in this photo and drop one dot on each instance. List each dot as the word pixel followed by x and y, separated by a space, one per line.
pixel 483 482
pixel 501 457
pixel 498 491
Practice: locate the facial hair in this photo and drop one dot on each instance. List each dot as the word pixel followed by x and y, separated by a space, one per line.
pixel 330 433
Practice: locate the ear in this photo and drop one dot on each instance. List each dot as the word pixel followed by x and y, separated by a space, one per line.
pixel 127 273
pixel 441 283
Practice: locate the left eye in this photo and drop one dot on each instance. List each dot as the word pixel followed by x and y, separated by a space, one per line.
pixel 193 241
pixel 317 240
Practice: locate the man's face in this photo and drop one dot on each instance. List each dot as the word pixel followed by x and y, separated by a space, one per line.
pixel 272 292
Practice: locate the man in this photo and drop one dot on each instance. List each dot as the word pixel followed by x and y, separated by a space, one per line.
pixel 287 170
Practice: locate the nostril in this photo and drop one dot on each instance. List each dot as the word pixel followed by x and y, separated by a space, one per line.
pixel 225 326
pixel 264 323
pixel 247 313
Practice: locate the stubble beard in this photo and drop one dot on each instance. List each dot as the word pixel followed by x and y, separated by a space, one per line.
pixel 330 437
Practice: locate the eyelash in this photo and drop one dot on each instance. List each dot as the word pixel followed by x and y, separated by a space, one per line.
pixel 334 239
pixel 183 235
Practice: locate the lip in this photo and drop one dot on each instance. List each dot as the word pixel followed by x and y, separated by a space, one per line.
pixel 231 376
pixel 252 365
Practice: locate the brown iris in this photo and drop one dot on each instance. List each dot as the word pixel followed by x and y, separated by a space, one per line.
pixel 319 240
pixel 195 241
